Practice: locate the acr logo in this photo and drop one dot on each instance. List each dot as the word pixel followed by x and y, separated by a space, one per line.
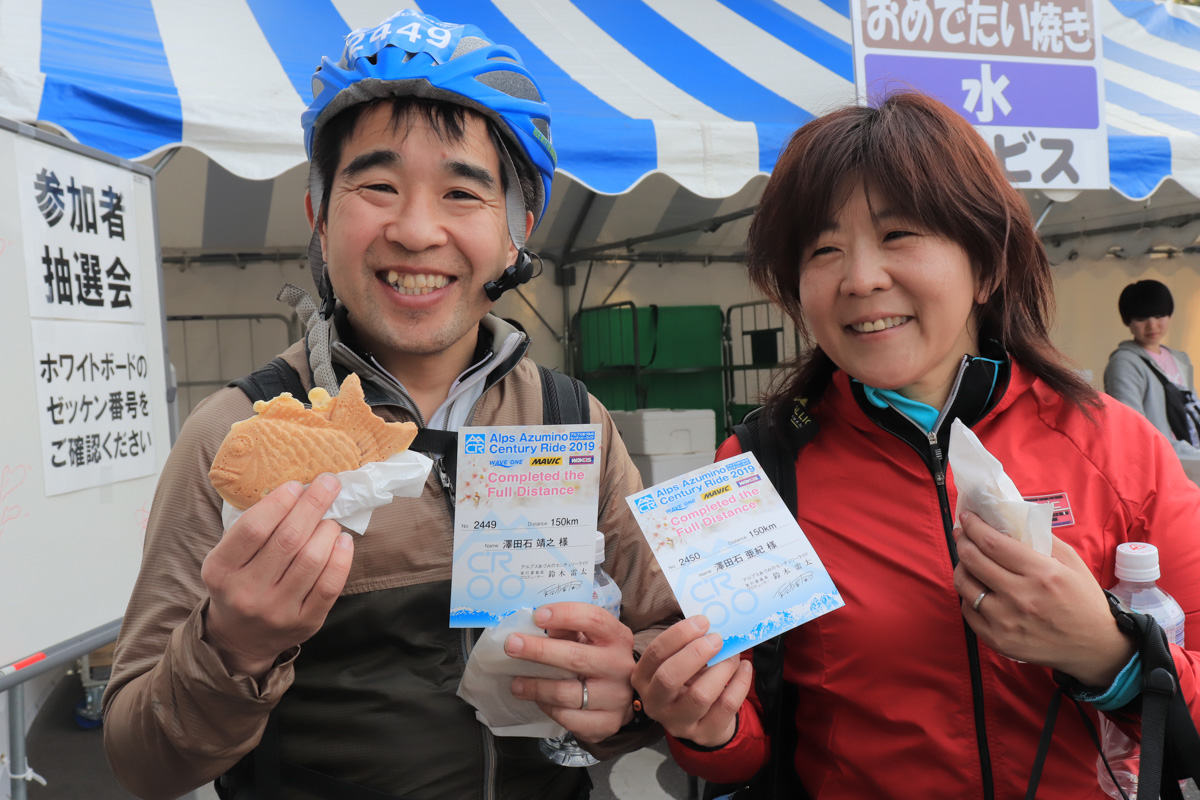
pixel 645 503
pixel 475 444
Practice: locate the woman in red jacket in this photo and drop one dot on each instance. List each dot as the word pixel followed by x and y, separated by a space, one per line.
pixel 892 237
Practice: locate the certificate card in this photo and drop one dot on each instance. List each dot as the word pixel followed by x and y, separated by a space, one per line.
pixel 524 519
pixel 733 552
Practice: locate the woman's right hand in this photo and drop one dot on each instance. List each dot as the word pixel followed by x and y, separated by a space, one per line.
pixel 690 700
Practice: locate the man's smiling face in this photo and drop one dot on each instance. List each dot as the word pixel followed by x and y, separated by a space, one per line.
pixel 415 227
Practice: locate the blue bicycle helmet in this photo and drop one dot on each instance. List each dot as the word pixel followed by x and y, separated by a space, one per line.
pixel 411 53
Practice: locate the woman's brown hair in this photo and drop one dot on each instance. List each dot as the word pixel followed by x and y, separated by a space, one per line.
pixel 916 154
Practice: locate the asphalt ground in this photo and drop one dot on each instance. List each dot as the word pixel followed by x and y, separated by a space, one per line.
pixel 72 761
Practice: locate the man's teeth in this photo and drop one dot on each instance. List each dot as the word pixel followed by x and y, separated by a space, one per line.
pixel 416 284
pixel 878 325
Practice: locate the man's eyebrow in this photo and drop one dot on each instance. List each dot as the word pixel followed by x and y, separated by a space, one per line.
pixel 472 172
pixel 375 158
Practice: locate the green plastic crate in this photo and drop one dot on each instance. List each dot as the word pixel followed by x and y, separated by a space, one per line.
pixel 678 355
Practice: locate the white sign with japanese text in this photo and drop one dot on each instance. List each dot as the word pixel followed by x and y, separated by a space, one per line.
pixel 1028 74
pixel 81 242
pixel 93 393
pixel 524 519
pixel 86 413
pixel 732 551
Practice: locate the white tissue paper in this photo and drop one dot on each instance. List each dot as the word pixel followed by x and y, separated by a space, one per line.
pixel 487 681
pixel 366 488
pixel 984 489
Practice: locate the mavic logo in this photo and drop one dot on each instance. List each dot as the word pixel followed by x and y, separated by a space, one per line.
pixel 546 461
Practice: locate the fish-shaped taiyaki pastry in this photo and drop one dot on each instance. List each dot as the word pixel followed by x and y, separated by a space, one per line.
pixel 284 441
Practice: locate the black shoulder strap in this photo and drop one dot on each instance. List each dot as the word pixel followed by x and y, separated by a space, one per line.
pixel 271 380
pixel 1176 402
pixel 1170 744
pixel 776 451
pixel 778 446
pixel 564 399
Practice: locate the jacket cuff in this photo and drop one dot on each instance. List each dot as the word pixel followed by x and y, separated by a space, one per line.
pixel 213 675
pixel 1125 687
pixel 737 760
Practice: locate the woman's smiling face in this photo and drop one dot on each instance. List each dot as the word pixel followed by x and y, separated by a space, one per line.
pixel 889 301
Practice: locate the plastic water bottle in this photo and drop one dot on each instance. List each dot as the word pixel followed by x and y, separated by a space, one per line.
pixel 564 749
pixel 1137 575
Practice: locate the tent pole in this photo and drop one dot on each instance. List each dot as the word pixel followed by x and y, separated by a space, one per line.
pixel 707 226
pixel 566 337
pixel 162 162
pixel 538 314
pixel 1042 216
pixel 564 259
pixel 16 741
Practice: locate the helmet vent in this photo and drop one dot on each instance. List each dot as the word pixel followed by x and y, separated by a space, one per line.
pixel 466 45
pixel 511 84
pixel 543 126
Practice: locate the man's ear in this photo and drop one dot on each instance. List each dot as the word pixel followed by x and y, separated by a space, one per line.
pixel 308 210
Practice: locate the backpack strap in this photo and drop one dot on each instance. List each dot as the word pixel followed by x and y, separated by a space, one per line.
pixel 270 380
pixel 776 450
pixel 564 399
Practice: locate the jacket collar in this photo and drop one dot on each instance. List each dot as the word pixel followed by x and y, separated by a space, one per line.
pixel 983 388
pixel 500 347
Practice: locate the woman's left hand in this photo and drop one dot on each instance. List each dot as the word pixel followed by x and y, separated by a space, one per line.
pixel 1048 611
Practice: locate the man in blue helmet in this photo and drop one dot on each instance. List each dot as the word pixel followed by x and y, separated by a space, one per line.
pixel 281 657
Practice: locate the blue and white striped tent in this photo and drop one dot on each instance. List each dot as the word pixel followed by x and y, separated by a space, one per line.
pixel 666 112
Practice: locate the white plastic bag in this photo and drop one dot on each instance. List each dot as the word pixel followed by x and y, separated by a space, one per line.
pixel 487 682
pixel 986 490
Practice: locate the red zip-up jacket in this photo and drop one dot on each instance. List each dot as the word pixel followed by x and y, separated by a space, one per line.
pixel 896 697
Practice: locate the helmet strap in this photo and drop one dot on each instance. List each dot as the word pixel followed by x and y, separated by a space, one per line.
pixel 514 200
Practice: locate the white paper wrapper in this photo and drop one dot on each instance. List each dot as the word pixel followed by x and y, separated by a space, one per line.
pixel 985 489
pixel 366 488
pixel 487 682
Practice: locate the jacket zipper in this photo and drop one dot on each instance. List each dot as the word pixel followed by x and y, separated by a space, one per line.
pixel 937 469
pixel 467 641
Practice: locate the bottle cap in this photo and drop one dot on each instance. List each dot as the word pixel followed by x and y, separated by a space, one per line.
pixel 599 548
pixel 1137 561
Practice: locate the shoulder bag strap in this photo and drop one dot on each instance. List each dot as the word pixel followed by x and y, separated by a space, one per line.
pixel 564 399
pixel 271 380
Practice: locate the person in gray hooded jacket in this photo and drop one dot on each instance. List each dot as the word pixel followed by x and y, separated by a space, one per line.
pixel 1150 377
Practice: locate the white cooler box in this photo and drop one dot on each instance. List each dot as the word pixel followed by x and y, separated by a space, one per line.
pixel 659 468
pixel 659 431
